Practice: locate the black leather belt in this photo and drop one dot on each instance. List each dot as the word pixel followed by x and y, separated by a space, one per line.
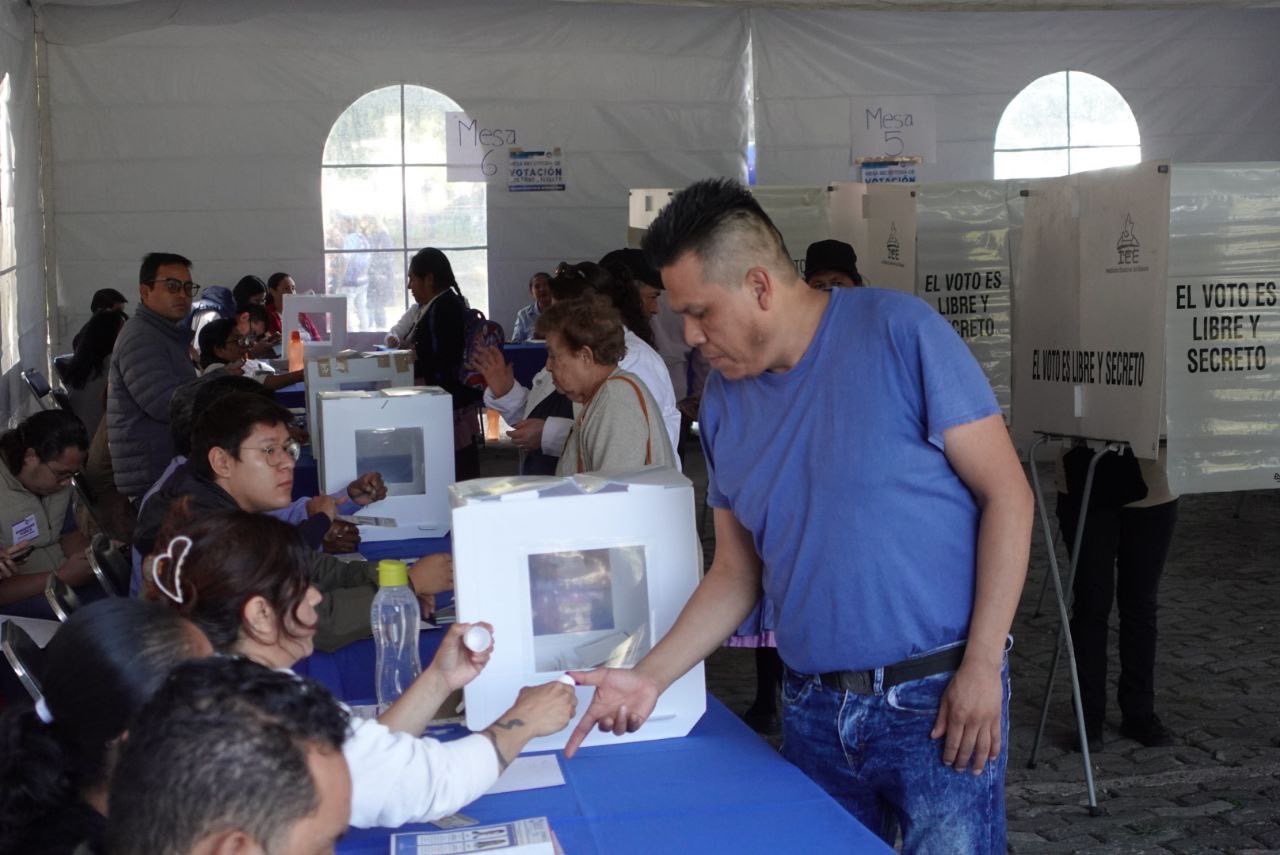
pixel 864 682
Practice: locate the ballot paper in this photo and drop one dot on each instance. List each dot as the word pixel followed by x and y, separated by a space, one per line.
pixel 524 836
pixel 530 772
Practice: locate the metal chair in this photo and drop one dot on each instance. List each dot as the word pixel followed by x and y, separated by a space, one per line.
pixel 24 656
pixel 38 385
pixel 62 599
pixel 110 567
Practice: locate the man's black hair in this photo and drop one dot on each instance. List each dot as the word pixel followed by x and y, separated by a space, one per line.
pixel 700 214
pixel 153 261
pixel 254 311
pixel 195 396
pixel 228 423
pixel 221 746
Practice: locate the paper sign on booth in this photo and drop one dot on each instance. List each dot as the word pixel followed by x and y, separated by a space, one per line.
pixel 474 152
pixel 1223 328
pixel 962 249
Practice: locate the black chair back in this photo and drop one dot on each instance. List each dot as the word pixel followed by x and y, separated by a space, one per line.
pixel 37 384
pixel 60 365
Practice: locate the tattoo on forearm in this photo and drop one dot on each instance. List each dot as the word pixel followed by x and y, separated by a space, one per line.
pixel 503 762
pixel 510 724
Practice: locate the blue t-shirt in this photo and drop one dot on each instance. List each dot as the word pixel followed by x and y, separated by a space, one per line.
pixel 836 467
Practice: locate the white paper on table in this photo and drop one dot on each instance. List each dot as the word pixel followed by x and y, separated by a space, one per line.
pixel 530 772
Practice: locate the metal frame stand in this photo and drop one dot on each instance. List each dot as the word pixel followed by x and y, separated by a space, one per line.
pixel 1064 628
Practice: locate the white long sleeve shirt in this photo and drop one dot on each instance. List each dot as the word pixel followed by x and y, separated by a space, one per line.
pixel 398 778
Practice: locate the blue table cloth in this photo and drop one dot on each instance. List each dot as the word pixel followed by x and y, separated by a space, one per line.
pixel 721 789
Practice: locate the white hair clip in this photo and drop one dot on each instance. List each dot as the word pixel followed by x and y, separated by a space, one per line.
pixel 42 711
pixel 176 561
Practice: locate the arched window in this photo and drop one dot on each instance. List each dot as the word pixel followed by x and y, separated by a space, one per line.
pixel 1064 123
pixel 386 194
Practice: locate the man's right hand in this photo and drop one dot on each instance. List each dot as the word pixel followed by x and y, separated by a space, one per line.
pixel 497 372
pixel 623 700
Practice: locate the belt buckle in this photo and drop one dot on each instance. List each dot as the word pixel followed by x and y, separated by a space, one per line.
pixel 858 682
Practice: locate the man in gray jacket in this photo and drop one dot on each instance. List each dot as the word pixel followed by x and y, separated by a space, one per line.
pixel 151 359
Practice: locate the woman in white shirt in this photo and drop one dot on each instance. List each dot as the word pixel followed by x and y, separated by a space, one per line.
pixel 242 578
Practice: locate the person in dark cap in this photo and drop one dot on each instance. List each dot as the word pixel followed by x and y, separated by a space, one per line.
pixel 831 264
pixel 104 300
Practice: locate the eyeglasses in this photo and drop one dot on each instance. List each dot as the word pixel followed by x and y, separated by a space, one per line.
pixel 173 286
pixel 275 454
pixel 60 477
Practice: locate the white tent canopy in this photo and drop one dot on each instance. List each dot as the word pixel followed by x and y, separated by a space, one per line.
pixel 198 127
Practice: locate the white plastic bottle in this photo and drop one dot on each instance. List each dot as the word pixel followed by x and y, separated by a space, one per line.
pixel 394 618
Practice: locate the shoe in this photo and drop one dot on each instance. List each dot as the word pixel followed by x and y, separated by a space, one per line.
pixel 1149 731
pixel 762 721
pixel 1094 735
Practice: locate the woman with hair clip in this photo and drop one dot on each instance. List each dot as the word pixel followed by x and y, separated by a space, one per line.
pixel 56 759
pixel 439 341
pixel 242 578
pixel 38 533
pixel 540 420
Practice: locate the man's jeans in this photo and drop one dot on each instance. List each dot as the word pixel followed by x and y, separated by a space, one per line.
pixel 873 754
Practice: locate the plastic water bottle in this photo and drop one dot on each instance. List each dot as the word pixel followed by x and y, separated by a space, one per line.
pixel 394 617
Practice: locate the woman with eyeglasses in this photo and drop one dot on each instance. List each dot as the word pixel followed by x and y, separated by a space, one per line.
pixel 223 348
pixel 38 533
pixel 243 580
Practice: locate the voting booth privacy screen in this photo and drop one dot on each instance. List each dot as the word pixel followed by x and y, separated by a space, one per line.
pixel 328 314
pixel 406 434
pixel 1089 319
pixel 590 571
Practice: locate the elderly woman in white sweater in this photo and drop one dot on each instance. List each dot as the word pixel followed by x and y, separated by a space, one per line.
pixel 541 423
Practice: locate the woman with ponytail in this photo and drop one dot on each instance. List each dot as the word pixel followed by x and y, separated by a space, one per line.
pixel 56 758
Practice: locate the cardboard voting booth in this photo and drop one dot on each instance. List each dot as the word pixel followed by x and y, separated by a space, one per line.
pixel 351 373
pixel 407 436
pixel 576 573
pixel 329 314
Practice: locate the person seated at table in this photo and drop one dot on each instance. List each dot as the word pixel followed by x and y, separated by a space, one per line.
pixel 231 757
pixel 100 667
pixel 222 348
pixel 279 286
pixel 253 322
pixel 619 426
pixel 540 291
pixel 85 376
pixel 242 458
pixel 38 533
pixel 540 416
pixel 313 513
pixel 243 579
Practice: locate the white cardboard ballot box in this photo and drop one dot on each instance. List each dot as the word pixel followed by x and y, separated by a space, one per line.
pixel 319 305
pixel 406 434
pixel 575 573
pixel 360 372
